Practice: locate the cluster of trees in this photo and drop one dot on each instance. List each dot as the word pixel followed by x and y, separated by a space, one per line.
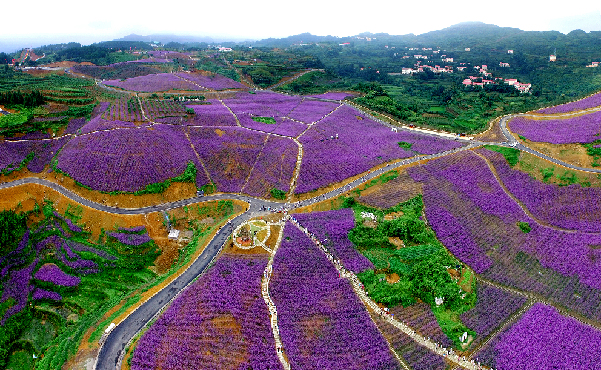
pixel 27 99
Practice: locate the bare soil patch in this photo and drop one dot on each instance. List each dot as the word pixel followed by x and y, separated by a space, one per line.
pixel 574 154
pixel 391 193
pixel 493 133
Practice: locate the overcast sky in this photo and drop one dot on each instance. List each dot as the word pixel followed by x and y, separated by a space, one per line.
pixel 38 22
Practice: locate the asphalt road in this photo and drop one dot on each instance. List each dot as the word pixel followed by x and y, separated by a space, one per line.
pixel 513 142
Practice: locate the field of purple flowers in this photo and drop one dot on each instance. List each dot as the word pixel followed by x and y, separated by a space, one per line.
pixel 544 339
pixel 332 228
pixel 126 160
pixel 571 207
pixel 219 322
pixel 274 167
pixel 478 223
pixel 322 323
pixel 590 102
pixel 580 129
pixel 214 82
pixel 347 143
pixel 53 266
pixel 154 83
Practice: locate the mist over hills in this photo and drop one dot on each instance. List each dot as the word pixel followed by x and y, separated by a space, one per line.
pixel 468 34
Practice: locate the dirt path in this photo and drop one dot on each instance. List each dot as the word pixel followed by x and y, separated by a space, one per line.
pixel 273 312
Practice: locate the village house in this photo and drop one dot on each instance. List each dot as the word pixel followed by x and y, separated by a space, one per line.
pixel 501 64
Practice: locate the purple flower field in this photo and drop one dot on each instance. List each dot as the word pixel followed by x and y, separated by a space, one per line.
pixel 17 287
pixel 263 104
pixel 228 154
pixel 215 82
pixel 126 160
pixel 362 144
pixel 283 126
pixel 590 102
pixel 53 274
pixel 219 322
pixel 310 111
pixel 274 167
pixel 544 339
pixel 15 152
pixel 332 228
pixel 580 129
pixel 322 323
pixel 477 222
pixel 494 307
pixel 572 207
pixel 214 114
pixel 153 83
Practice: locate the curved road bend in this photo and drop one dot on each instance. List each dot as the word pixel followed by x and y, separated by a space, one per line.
pixel 516 144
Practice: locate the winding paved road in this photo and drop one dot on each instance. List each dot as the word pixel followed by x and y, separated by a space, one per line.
pixel 513 142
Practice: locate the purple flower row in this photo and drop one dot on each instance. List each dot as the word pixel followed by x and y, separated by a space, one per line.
pixel 219 321
pixel 53 274
pixel 332 228
pixel 580 129
pixel 45 294
pixel 589 102
pixel 130 239
pixel 323 325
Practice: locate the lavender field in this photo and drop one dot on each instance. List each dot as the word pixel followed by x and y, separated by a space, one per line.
pixel 322 322
pixel 580 129
pixel 221 321
pixel 544 339
pixel 479 223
